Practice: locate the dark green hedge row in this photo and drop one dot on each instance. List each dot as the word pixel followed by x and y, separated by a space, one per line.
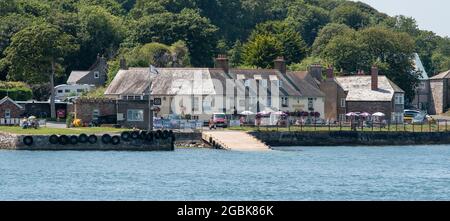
pixel 17 94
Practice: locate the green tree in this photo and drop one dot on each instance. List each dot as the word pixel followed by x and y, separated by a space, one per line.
pixel 294 48
pixel 35 53
pixel 197 31
pixel 326 34
pixel 307 19
pixel 351 15
pixel 261 51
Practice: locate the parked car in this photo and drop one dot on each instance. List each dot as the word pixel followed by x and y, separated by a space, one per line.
pixel 220 120
pixel 409 115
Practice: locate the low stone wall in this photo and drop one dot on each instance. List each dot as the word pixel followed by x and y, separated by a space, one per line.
pixel 343 138
pixel 41 142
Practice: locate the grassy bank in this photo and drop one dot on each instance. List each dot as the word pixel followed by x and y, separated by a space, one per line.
pixel 63 131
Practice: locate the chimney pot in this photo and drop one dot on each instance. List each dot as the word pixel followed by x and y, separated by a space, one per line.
pixel 374 78
pixel 123 64
pixel 222 62
pixel 330 72
pixel 280 64
pixel 316 71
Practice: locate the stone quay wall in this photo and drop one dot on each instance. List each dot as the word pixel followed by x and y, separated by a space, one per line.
pixel 41 142
pixel 344 138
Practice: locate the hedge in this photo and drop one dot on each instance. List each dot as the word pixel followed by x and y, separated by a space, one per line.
pixel 17 94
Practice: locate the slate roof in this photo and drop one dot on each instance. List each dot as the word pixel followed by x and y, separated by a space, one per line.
pixel 134 81
pixel 75 76
pixel 183 81
pixel 305 83
pixel 419 67
pixel 359 88
pixel 5 99
pixel 445 74
pixel 204 81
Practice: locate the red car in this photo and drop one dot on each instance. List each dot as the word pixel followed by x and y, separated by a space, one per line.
pixel 220 120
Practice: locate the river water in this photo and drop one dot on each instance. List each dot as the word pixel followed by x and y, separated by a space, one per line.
pixel 301 173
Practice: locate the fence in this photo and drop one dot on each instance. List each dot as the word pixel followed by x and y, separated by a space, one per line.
pixel 368 126
pixel 17 122
pixel 178 124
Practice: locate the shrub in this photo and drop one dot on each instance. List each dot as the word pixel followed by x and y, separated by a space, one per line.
pixel 15 90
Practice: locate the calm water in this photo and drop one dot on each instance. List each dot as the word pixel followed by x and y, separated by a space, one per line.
pixel 325 173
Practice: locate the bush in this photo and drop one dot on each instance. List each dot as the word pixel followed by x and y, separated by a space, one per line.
pixel 22 94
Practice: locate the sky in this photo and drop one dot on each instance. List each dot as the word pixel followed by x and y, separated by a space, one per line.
pixel 432 15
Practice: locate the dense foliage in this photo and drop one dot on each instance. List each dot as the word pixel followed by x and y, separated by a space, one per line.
pixel 350 35
pixel 15 90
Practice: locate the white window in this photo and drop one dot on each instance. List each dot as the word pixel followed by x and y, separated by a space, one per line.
pixel 269 101
pixel 342 102
pixel 67 91
pixel 310 104
pixel 399 99
pixel 196 104
pixel 264 83
pixel 247 83
pixel 95 114
pixel 135 115
pixel 96 74
pixel 60 91
pixel 7 113
pixel 280 83
pixel 285 102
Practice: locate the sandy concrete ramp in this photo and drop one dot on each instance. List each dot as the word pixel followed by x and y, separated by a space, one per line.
pixel 234 140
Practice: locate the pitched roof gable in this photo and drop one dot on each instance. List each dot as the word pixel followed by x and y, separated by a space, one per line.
pixel 7 99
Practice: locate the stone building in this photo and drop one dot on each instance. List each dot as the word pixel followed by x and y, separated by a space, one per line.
pixel 10 109
pixel 128 113
pixel 440 91
pixel 360 93
pixel 95 75
pixel 203 91
pixel 422 98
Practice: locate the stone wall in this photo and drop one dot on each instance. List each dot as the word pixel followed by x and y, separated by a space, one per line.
pixel 371 107
pixel 437 96
pixel 41 142
pixel 15 111
pixel 348 138
pixel 84 108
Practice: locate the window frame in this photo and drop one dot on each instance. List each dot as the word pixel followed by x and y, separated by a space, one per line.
pixel 96 74
pixel 131 115
pixel 7 114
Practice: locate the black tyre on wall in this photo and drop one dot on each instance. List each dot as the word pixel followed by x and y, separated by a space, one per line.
pixel 28 140
pixel 159 134
pixel 149 137
pixel 165 134
pixel 63 140
pixel 115 140
pixel 143 135
pixel 125 136
pixel 73 140
pixel 135 135
pixel 92 139
pixel 53 139
pixel 106 138
pixel 83 138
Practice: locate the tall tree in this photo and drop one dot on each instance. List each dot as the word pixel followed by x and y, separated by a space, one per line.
pixel 35 54
pixel 261 51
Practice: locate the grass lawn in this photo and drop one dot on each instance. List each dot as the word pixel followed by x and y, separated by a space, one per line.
pixel 406 127
pixel 64 131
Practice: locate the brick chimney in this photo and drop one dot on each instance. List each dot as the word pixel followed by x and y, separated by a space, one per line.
pixel 330 72
pixel 280 64
pixel 316 71
pixel 123 64
pixel 374 78
pixel 222 62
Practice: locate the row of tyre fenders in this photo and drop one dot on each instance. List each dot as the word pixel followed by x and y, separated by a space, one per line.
pixel 106 138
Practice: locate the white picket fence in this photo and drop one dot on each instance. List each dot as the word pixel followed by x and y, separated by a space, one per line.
pixel 18 122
